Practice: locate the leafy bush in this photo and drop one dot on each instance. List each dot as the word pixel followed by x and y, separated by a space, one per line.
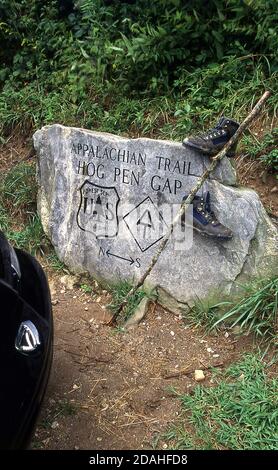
pixel 271 161
pixel 269 151
pixel 166 64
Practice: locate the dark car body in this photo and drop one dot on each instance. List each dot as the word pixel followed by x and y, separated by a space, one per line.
pixel 26 346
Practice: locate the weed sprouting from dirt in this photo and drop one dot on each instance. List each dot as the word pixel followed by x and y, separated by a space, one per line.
pixel 54 262
pixel 66 408
pixel 86 288
pixel 62 408
pixel 119 292
pixel 118 330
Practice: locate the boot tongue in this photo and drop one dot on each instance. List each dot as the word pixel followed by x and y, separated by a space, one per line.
pixel 208 208
pixel 221 122
pixel 219 125
pixel 225 120
pixel 207 201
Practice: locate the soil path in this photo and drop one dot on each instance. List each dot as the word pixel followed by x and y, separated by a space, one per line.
pixel 111 389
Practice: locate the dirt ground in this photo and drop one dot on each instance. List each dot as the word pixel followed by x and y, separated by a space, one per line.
pixel 111 389
pixel 252 174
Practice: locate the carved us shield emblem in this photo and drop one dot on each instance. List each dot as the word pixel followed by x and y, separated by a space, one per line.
pixel 98 210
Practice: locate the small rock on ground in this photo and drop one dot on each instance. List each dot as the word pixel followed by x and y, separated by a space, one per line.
pixel 199 375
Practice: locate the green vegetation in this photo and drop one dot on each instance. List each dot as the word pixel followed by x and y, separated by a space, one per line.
pixel 18 189
pixel 119 292
pixel 240 412
pixel 256 311
pixel 264 150
pixel 18 208
pixel 65 408
pixel 270 160
pixel 157 68
pixel 18 215
pixel 53 261
pixel 62 408
pixel 30 237
pixel 160 68
pixel 86 288
pixel 204 313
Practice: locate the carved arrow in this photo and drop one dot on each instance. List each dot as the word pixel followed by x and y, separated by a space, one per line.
pixel 130 259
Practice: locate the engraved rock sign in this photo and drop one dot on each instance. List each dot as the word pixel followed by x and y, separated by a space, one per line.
pixel 106 202
pixel 146 224
pixel 98 210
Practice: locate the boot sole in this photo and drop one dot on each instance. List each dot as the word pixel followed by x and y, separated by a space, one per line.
pixel 209 235
pixel 215 237
pixel 229 154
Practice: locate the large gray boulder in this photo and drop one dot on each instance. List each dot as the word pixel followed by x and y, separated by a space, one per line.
pixel 106 201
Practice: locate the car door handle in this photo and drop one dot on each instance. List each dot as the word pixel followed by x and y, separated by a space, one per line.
pixel 27 339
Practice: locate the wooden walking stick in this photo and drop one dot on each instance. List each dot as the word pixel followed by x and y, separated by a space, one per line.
pixel 184 205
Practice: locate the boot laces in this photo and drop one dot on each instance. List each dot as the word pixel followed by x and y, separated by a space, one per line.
pixel 216 131
pixel 204 208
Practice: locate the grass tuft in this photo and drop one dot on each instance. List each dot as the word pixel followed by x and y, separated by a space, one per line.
pixel 256 312
pixel 239 413
pixel 203 313
pixel 30 237
pixel 18 217
pixel 18 189
pixel 264 150
pixel 54 262
pixel 119 292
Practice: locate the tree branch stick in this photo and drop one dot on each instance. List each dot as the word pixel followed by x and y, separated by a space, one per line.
pixel 184 205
